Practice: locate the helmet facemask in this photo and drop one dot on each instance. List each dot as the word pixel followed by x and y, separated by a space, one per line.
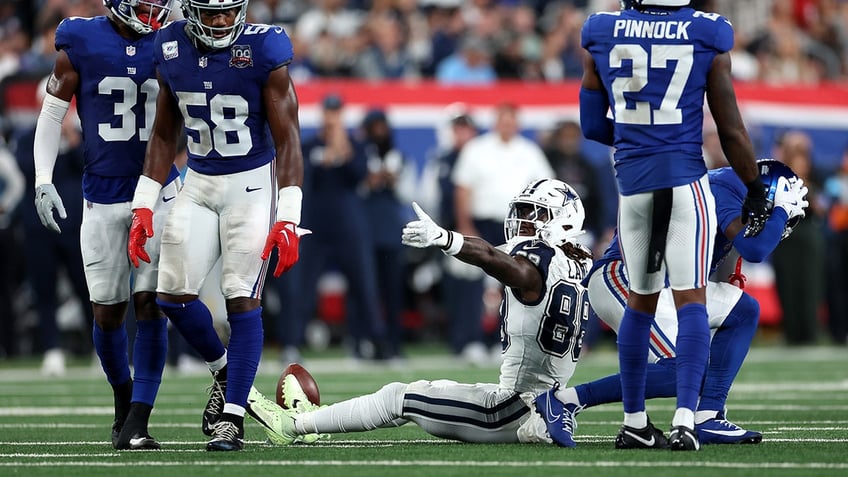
pixel 214 37
pixel 143 16
pixel 548 210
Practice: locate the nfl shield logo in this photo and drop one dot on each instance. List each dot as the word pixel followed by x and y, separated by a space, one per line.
pixel 203 62
pixel 130 50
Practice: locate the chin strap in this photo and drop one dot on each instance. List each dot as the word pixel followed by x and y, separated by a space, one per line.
pixel 737 277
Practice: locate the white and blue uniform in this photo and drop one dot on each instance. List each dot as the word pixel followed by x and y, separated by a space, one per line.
pixel 227 205
pixel 116 103
pixel 733 314
pixel 654 66
pixel 541 344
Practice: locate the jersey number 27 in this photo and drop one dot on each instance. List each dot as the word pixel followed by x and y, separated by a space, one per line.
pixel 660 57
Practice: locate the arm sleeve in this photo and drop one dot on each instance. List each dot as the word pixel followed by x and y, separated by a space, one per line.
pixel 48 132
pixel 756 249
pixel 593 116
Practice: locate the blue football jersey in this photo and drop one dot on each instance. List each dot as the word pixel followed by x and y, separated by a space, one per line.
pixel 654 67
pixel 220 94
pixel 116 103
pixel 729 192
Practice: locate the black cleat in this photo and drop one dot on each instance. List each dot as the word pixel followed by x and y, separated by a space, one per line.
pixel 139 441
pixel 227 436
pixel 215 406
pixel 134 435
pixel 683 438
pixel 648 437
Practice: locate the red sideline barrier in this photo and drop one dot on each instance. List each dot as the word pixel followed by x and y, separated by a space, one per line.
pixel 536 94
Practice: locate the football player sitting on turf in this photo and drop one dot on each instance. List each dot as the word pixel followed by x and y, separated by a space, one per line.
pixel 733 315
pixel 542 268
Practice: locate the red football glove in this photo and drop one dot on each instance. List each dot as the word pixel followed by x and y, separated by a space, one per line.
pixel 285 237
pixel 140 230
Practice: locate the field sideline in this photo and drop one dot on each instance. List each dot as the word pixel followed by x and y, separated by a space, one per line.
pixel 798 398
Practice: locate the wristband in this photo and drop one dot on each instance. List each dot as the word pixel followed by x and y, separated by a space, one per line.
pixel 289 203
pixel 454 245
pixel 146 193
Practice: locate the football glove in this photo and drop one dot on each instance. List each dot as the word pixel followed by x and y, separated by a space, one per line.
pixel 285 237
pixel 790 196
pixel 47 199
pixel 755 209
pixel 424 232
pixel 140 230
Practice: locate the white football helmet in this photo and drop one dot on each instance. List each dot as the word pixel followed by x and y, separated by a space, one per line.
pixel 142 21
pixel 551 207
pixel 214 37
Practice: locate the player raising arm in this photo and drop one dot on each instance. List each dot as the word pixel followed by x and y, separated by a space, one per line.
pixel 226 84
pixel 106 63
pixel 544 312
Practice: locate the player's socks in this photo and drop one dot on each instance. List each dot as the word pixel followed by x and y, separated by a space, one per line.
pixel 194 321
pixel 243 354
pixel 149 355
pixel 728 349
pixel 661 382
pixel 362 413
pixel 633 336
pixel 693 347
pixel 111 348
pixel 122 395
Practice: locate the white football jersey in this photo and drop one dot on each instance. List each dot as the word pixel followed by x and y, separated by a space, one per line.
pixel 542 340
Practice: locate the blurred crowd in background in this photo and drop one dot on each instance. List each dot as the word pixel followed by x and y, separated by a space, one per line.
pixel 355 284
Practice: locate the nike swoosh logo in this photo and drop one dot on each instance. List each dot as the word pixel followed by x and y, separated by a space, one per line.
pixel 736 433
pixel 550 413
pixel 646 442
pixel 137 441
pixel 249 189
pixel 168 199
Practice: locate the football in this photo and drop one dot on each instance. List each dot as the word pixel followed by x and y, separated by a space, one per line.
pixel 306 381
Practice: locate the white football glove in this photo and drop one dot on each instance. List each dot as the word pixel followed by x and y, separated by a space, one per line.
pixel 424 232
pixel 47 199
pixel 790 196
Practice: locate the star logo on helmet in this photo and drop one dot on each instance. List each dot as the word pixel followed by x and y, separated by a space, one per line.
pixel 568 194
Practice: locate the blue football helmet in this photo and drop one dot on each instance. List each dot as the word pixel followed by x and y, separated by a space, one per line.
pixel 150 17
pixel 551 207
pixel 628 4
pixel 214 37
pixel 770 171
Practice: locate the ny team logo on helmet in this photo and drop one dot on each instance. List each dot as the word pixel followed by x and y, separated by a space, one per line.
pixel 628 4
pixel 214 37
pixel 143 16
pixel 770 171
pixel 552 207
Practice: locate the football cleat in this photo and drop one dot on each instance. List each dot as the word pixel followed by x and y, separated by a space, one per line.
pixel 294 397
pixel 139 441
pixel 215 405
pixel 559 417
pixel 683 438
pixel 721 431
pixel 648 437
pixel 134 435
pixel 226 436
pixel 277 422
